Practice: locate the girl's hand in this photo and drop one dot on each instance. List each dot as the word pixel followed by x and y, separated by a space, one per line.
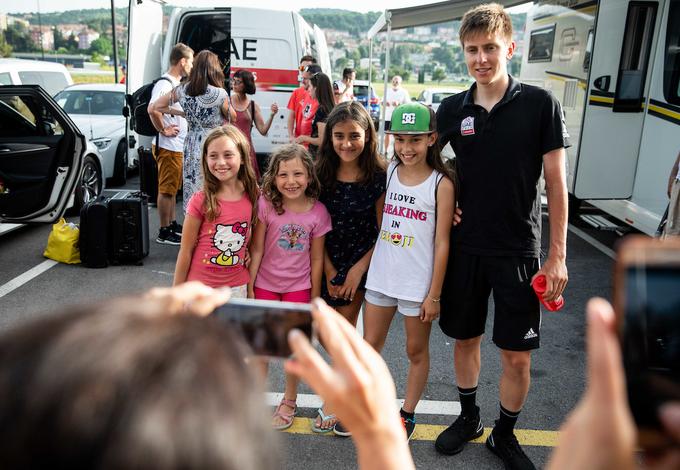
pixel 301 139
pixel 429 310
pixel 275 108
pixel 251 292
pixel 332 289
pixel 352 281
pixel 457 216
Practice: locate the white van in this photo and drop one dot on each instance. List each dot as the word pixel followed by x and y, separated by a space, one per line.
pixel 269 43
pixel 53 77
pixel 615 67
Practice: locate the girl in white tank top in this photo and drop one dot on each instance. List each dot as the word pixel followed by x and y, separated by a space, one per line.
pixel 409 260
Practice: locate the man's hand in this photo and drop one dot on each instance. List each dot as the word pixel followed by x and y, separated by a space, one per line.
pixel 556 277
pixel 170 131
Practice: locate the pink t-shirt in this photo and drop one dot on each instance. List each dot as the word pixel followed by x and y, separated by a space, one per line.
pixel 286 264
pixel 218 258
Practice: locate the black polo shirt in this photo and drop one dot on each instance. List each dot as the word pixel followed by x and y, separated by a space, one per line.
pixel 499 157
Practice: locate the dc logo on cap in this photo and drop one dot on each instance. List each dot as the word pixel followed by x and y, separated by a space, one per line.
pixel 408 118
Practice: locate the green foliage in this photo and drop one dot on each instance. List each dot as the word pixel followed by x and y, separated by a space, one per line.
pixel 18 37
pixel 327 18
pixel 438 75
pixel 404 72
pixel 445 56
pixel 5 49
pixel 101 46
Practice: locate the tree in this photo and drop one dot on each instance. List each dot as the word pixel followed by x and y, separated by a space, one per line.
pixel 341 63
pixel 445 56
pixel 101 46
pixel 72 43
pixel 338 44
pixel 5 49
pixel 19 38
pixel 438 75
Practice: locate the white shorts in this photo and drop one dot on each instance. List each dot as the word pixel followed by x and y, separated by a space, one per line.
pixel 407 308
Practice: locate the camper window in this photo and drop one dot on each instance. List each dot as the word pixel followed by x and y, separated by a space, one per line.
pixel 208 31
pixel 637 45
pixel 671 75
pixel 541 44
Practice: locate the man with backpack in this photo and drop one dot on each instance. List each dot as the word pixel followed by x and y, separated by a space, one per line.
pixel 169 145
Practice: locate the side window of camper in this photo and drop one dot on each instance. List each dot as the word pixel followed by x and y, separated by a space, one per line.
pixel 589 51
pixel 671 71
pixel 637 45
pixel 541 44
pixel 208 31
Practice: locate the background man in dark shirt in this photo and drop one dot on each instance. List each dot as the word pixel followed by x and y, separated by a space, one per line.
pixel 503 133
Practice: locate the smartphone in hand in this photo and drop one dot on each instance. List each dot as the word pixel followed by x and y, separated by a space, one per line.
pixel 647 305
pixel 265 324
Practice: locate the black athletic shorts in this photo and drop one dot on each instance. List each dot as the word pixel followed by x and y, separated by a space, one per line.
pixel 469 281
pixel 388 125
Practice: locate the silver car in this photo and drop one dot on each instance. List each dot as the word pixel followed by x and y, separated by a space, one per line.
pixel 96 109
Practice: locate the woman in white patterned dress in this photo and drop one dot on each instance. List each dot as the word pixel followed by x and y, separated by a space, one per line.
pixel 205 105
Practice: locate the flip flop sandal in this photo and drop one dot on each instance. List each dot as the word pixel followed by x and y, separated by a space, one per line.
pixel 324 418
pixel 286 417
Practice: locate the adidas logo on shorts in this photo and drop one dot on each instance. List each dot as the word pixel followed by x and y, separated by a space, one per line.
pixel 530 334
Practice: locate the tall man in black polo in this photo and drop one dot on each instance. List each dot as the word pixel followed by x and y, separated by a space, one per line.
pixel 503 133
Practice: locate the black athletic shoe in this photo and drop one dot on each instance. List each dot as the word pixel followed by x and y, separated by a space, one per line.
pixel 508 449
pixel 176 228
pixel 453 439
pixel 167 237
pixel 409 426
pixel 340 430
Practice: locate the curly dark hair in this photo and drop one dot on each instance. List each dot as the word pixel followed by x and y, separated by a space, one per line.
pixel 286 153
pixel 370 161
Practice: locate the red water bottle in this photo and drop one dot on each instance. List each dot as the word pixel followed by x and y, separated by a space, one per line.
pixel 539 285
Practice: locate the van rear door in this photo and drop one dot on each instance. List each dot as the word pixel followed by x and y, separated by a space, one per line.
pixel 618 92
pixel 41 153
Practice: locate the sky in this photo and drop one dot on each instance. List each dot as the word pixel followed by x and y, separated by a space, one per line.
pixel 362 6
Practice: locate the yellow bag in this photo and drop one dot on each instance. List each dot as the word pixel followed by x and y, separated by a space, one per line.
pixel 62 244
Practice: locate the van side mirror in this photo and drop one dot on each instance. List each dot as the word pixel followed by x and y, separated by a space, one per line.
pixel 602 83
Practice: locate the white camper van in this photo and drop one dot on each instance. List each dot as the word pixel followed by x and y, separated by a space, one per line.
pixel 268 43
pixel 615 67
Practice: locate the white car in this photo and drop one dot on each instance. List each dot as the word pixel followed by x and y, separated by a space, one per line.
pixel 96 109
pixel 433 97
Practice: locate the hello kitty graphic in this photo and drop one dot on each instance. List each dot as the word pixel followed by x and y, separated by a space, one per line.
pixel 229 239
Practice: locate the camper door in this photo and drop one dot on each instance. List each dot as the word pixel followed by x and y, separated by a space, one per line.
pixel 618 89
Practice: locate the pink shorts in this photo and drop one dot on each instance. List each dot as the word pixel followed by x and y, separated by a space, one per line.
pixel 301 296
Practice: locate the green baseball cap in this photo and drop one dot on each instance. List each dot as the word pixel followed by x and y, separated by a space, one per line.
pixel 410 118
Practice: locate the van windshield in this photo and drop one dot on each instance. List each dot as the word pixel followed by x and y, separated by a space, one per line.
pixel 52 82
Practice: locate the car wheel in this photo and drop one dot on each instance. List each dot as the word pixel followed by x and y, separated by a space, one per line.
pixel 90 185
pixel 120 166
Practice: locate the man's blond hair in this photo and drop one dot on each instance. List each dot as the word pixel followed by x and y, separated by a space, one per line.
pixel 489 19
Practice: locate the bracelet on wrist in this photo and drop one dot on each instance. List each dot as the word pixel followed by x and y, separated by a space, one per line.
pixel 434 299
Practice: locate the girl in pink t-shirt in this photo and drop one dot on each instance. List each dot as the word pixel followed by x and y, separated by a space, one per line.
pixel 286 256
pixel 219 218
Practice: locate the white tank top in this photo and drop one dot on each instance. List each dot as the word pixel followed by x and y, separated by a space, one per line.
pixel 403 258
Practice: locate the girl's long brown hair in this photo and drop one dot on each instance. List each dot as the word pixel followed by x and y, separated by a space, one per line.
pixel 246 174
pixel 283 154
pixel 328 161
pixel 207 70
pixel 323 91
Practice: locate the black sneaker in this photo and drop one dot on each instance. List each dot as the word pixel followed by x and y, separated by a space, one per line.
pixel 409 426
pixel 340 430
pixel 507 448
pixel 167 237
pixel 453 439
pixel 175 227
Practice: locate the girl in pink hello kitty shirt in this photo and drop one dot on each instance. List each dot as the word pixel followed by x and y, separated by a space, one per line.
pixel 219 218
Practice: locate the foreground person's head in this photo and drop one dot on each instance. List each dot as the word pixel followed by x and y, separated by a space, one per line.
pixel 125 385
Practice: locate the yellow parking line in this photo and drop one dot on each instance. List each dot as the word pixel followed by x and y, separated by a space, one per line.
pixel 429 432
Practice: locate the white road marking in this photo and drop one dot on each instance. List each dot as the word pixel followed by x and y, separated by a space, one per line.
pixel 22 279
pixel 428 407
pixel 587 238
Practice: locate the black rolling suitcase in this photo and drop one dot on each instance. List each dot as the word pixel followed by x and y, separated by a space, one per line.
pixel 129 228
pixel 148 175
pixel 94 233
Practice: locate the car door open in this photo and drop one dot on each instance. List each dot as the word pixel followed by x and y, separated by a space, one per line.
pixel 41 152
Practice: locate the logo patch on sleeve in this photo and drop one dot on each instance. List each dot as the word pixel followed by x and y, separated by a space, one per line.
pixel 467 126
